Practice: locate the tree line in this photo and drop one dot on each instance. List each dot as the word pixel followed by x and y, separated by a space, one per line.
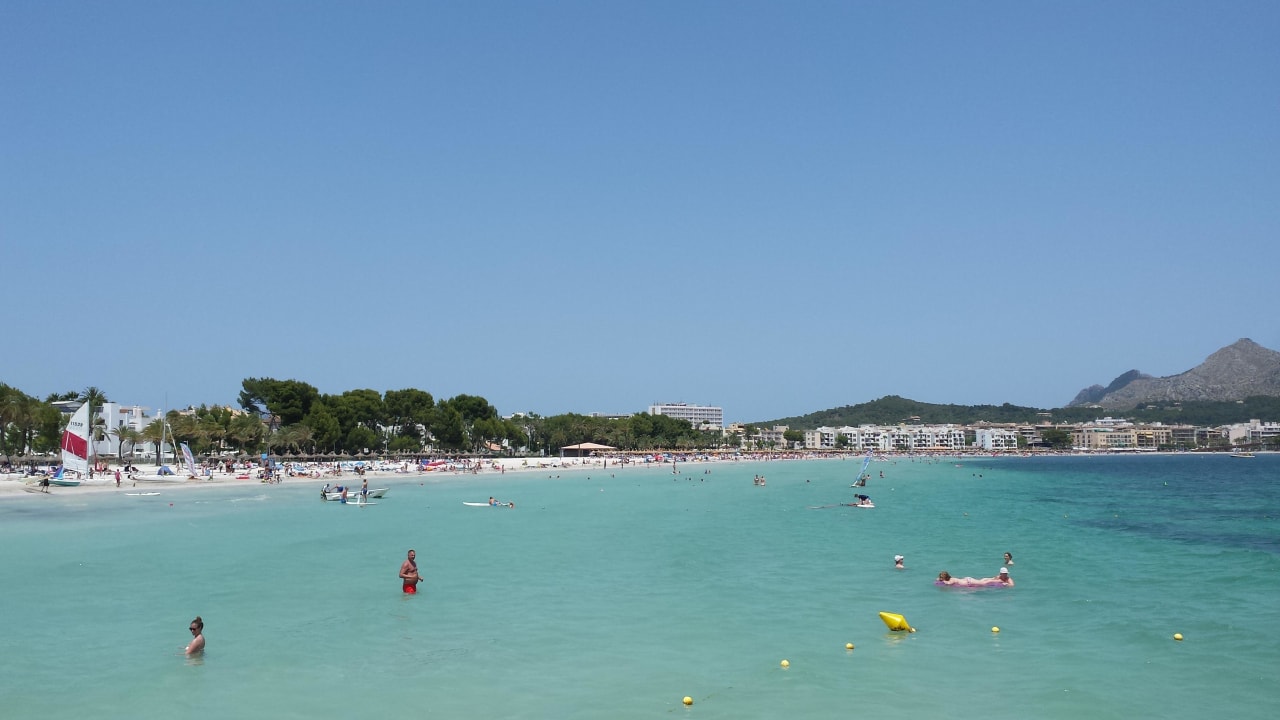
pixel 291 416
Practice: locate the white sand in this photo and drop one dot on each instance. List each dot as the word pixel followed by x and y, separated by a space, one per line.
pixel 16 486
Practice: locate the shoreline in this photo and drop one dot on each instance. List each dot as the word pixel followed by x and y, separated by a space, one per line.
pixel 15 485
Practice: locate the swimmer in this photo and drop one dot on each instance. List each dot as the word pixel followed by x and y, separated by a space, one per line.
pixel 945 578
pixel 1008 559
pixel 197 643
pixel 1001 577
pixel 897 562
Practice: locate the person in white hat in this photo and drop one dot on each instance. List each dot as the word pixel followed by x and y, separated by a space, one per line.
pixel 1003 577
pixel 897 562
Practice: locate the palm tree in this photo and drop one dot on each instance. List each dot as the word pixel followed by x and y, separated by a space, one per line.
pixel 125 434
pixel 25 417
pixel 246 431
pixel 154 433
pixel 10 406
pixel 95 399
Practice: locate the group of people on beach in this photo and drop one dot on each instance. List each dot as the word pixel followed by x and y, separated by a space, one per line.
pixel 1000 579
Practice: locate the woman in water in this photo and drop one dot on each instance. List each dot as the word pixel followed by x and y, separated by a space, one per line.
pixel 197 643
pixel 1008 559
pixel 944 578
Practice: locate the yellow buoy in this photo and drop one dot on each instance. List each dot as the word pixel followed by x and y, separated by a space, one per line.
pixel 995 629
pixel 786 664
pixel 848 646
pixel 894 621
pixel 688 700
pixel 1177 636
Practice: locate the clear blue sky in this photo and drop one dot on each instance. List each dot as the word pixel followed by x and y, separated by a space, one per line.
pixel 773 207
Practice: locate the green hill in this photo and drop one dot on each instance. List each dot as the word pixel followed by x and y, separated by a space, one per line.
pixel 892 410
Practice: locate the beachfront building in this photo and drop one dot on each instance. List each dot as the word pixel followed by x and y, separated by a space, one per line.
pixel 930 438
pixel 1121 436
pixel 110 418
pixel 824 438
pixel 772 437
pixel 1254 431
pixel 995 439
pixel 700 416
pixel 1183 435
pixel 863 438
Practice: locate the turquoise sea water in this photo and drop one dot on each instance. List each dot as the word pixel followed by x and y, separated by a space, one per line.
pixel 616 596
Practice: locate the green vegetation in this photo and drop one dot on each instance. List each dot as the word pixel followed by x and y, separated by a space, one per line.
pixel 301 419
pixel 893 410
pixel 291 416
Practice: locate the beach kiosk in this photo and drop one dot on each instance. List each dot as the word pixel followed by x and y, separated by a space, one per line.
pixel 583 449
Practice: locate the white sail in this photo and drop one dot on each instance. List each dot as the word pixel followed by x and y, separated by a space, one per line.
pixel 189 461
pixel 75 442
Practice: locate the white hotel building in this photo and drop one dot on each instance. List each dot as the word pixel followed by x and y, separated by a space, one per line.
pixel 886 438
pixel 699 415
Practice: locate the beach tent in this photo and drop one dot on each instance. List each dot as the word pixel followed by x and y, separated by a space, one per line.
pixel 582 449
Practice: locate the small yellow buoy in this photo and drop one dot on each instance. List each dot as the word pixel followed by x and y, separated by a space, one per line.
pixel 995 629
pixel 688 700
pixel 1177 636
pixel 848 646
pixel 786 664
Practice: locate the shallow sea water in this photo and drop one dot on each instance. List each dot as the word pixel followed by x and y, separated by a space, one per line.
pixel 616 594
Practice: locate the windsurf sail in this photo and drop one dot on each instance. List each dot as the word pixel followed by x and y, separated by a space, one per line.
pixel 75 442
pixel 862 474
pixel 190 461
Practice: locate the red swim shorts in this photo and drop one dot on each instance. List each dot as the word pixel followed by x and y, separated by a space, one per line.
pixel 410 589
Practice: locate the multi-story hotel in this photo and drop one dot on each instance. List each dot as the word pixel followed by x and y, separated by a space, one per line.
pixel 698 415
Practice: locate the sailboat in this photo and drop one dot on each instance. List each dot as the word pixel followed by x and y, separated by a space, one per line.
pixel 163 473
pixel 75 450
pixel 861 480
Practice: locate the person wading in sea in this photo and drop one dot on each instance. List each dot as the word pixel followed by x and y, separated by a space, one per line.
pixel 409 574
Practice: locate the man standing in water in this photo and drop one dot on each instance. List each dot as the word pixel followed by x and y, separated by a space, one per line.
pixel 409 574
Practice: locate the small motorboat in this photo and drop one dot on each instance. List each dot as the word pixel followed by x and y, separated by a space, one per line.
pixel 353 494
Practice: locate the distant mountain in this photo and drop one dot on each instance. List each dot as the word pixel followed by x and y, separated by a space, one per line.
pixel 1238 371
pixel 1093 394
pixel 894 410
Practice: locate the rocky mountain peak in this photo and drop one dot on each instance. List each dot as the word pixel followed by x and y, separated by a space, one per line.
pixel 1235 372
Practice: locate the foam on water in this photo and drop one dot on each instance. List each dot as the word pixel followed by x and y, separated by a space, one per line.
pixel 616 596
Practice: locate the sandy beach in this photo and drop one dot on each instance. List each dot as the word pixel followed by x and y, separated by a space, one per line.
pixel 13 486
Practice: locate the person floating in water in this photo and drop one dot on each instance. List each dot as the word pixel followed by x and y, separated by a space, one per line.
pixel 1001 577
pixel 897 562
pixel 197 643
pixel 1008 559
